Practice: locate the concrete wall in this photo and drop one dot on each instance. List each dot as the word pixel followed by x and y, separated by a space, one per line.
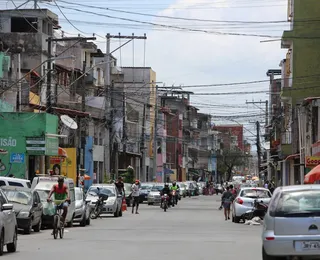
pixel 305 52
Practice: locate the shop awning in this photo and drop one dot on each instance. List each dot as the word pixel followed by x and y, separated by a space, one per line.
pixel 62 152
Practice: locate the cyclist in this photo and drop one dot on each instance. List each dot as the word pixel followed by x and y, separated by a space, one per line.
pixel 61 197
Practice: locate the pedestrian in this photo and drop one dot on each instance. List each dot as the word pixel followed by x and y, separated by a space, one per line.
pixel 226 200
pixel 135 195
pixel 120 186
pixel 266 185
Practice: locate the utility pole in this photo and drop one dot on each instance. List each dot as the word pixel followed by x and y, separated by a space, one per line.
pixel 267 136
pixel 142 147
pixel 155 136
pixel 110 147
pixel 258 148
pixel 49 81
pixel 124 135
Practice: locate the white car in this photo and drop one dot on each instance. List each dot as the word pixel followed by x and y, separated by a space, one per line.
pixel 292 224
pixel 113 205
pixel 8 225
pixel 245 201
pixel 82 211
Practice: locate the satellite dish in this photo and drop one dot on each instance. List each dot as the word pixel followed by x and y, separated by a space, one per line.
pixel 69 122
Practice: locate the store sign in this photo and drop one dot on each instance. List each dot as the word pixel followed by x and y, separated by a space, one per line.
pixel 17 158
pixel 36 145
pixel 52 146
pixel 312 160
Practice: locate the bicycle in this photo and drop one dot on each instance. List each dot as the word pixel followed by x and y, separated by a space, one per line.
pixel 58 226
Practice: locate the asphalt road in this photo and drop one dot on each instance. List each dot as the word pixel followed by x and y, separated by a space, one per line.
pixel 195 229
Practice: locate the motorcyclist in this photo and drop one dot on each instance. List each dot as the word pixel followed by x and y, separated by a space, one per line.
pixel 166 190
pixel 175 187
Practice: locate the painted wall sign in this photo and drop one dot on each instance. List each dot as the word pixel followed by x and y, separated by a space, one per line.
pixel 8 142
pixel 17 158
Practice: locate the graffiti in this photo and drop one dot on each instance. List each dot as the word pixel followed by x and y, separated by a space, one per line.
pixel 2 166
pixel 3 152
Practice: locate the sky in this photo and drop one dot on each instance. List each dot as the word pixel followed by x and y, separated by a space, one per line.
pixel 191 43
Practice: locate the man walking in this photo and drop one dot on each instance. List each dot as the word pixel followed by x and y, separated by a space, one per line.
pixel 135 195
pixel 120 186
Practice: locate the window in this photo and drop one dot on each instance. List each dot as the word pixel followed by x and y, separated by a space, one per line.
pixel 3 200
pixel 2 183
pixel 300 203
pixel 16 184
pixel 255 193
pixel 24 24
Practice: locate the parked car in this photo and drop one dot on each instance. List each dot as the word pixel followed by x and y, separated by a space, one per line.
pixel 113 205
pixel 183 189
pixel 144 191
pixel 15 182
pixel 27 206
pixel 82 212
pixel 245 201
pixel 128 192
pixel 8 225
pixel 291 225
pixel 154 194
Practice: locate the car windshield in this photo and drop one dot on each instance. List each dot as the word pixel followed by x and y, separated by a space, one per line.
pixel 299 203
pixel 78 194
pixel 255 193
pixel 43 194
pixel 157 188
pixel 20 197
pixel 146 187
pixel 94 190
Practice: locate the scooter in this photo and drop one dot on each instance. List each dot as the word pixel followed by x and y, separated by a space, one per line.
pixel 164 202
pixel 259 210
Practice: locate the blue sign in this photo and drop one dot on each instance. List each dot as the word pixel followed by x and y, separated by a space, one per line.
pixel 17 158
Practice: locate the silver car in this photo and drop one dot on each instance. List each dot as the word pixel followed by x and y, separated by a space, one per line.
pixel 154 194
pixel 245 201
pixel 8 225
pixel 82 211
pixel 292 223
pixel 114 202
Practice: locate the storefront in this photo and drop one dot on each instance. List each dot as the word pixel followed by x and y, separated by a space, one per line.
pixel 25 139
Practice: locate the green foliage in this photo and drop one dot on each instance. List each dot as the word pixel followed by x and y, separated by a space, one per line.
pixel 228 160
pixel 129 176
pixel 106 178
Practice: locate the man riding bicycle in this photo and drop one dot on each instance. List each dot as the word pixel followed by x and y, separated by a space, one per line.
pixel 61 197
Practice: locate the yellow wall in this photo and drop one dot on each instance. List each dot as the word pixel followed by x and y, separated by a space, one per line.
pixel 69 166
pixel 173 177
pixel 184 174
pixel 152 102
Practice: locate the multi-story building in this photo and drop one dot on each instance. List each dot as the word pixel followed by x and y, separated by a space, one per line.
pixel 231 136
pixel 300 77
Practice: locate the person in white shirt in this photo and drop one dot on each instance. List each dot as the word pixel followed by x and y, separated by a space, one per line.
pixel 135 195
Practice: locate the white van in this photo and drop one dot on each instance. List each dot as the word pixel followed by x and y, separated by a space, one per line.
pixel 9 181
pixel 43 184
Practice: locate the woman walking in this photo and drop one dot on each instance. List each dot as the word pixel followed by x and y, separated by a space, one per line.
pixel 227 198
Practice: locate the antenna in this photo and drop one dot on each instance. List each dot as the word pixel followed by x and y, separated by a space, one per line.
pixel 35 6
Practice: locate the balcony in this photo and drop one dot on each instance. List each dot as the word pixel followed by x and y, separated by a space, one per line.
pixel 286 138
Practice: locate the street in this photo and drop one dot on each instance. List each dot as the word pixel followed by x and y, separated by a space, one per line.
pixel 195 229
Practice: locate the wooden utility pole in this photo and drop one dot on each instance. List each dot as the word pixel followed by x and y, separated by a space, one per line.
pixel 111 149
pixel 258 148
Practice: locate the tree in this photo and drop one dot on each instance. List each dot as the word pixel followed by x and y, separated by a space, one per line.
pixel 129 175
pixel 228 160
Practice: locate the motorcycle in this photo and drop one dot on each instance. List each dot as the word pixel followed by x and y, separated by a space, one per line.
pixel 259 210
pixel 164 202
pixel 98 207
pixel 174 198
